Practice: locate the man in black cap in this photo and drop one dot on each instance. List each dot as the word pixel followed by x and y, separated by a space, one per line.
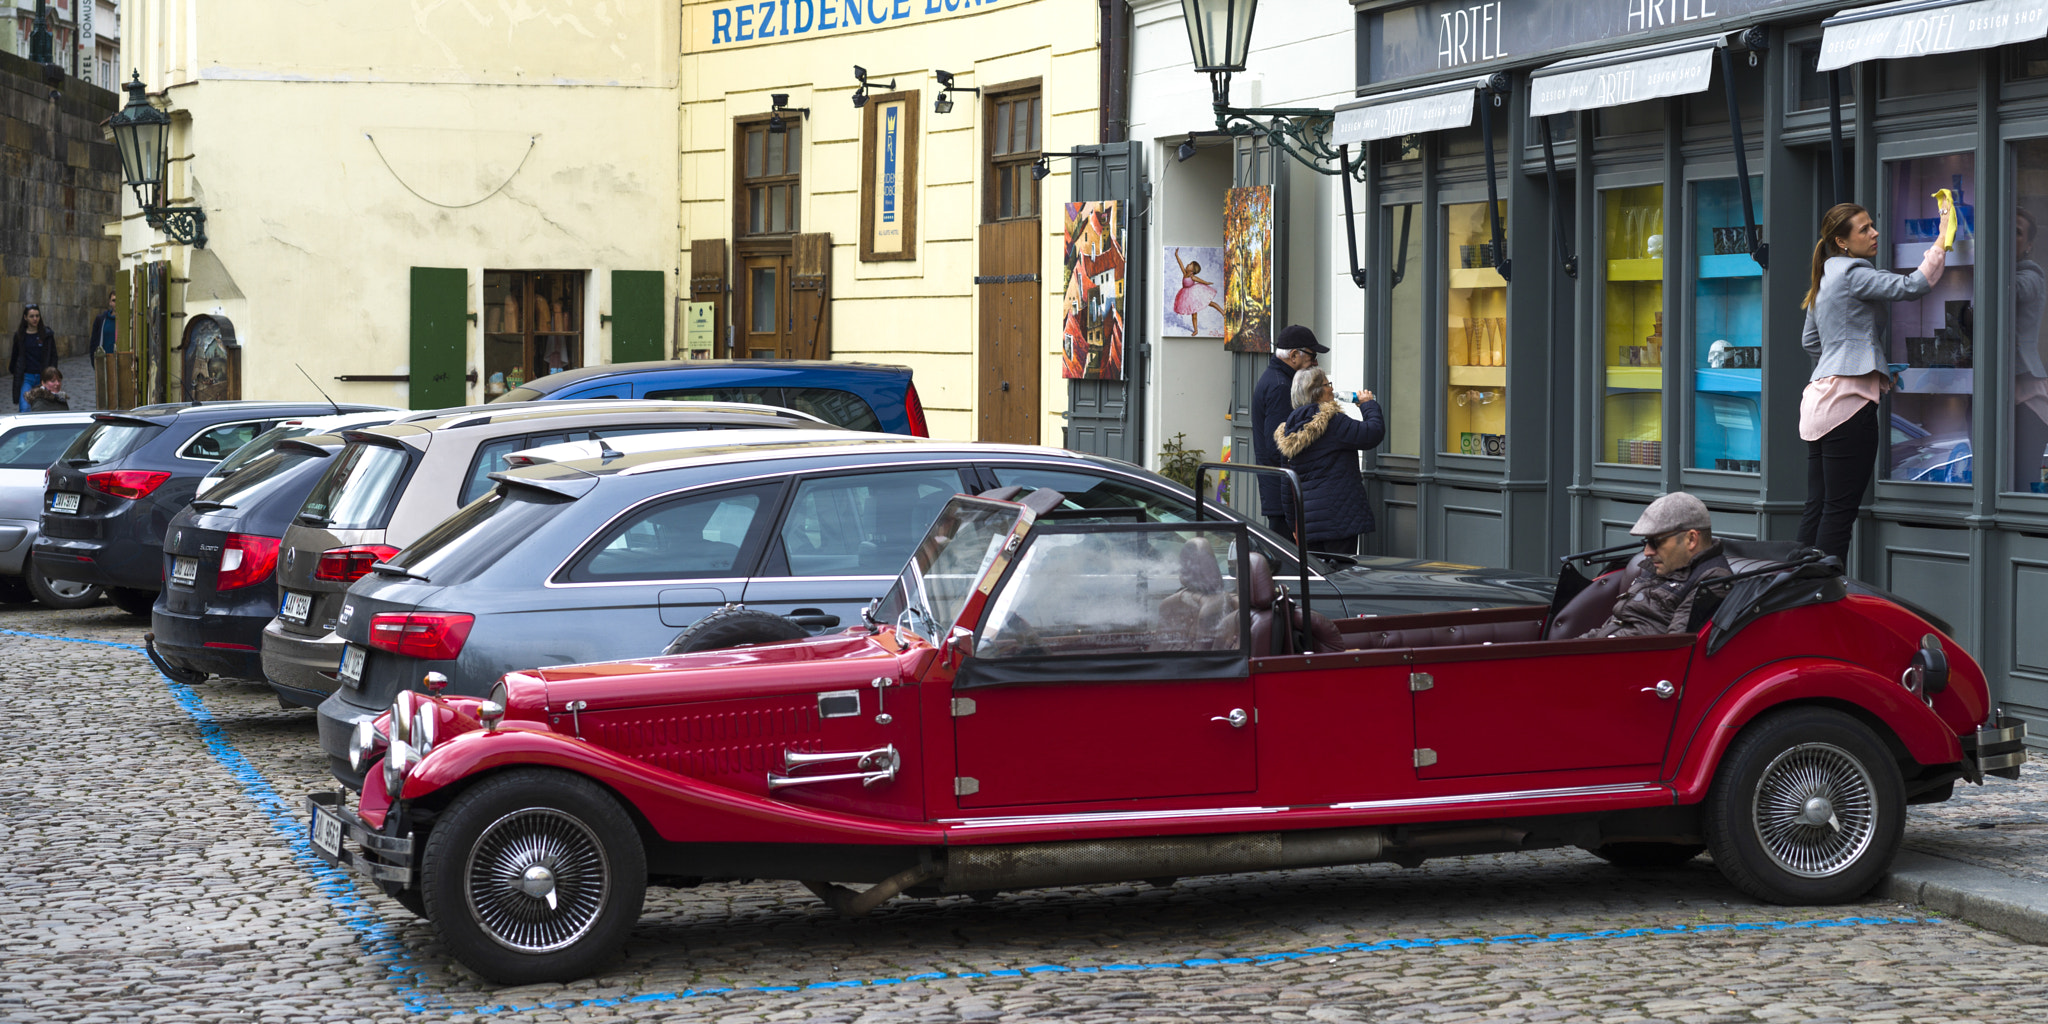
pixel 1297 350
pixel 1681 559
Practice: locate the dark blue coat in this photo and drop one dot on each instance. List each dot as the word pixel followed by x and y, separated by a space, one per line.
pixel 1322 444
pixel 1270 404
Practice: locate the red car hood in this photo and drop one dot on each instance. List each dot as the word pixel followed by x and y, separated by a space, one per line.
pixel 837 661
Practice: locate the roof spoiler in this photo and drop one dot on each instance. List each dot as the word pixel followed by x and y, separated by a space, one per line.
pixel 366 437
pixel 122 417
pixel 570 487
pixel 294 444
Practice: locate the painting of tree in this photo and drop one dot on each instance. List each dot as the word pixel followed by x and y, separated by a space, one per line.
pixel 1248 269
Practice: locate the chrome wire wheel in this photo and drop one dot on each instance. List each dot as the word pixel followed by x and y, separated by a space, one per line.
pixel 537 880
pixel 1815 810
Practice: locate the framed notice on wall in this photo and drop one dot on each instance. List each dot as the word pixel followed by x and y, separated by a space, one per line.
pixel 888 180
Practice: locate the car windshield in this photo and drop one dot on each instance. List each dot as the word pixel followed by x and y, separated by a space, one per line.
pixel 108 440
pixel 257 476
pixel 357 490
pixel 939 578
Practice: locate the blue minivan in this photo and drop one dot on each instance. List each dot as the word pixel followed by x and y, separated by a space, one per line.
pixel 858 396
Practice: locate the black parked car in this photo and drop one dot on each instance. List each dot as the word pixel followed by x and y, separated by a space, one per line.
pixel 220 562
pixel 594 559
pixel 114 491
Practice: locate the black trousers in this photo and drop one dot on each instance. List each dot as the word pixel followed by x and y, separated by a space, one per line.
pixel 1280 526
pixel 1838 470
pixel 1336 545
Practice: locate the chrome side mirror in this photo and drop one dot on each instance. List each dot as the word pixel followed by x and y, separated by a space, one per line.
pixel 959 646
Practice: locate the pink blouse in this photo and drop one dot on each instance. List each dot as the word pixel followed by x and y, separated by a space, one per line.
pixel 1828 402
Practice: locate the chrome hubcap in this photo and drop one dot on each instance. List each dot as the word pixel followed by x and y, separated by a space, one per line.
pixel 68 589
pixel 537 880
pixel 1815 810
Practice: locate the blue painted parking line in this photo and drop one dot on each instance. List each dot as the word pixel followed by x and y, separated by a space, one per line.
pixel 381 942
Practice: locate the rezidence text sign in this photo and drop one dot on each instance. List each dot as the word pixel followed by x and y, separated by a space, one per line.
pixel 755 22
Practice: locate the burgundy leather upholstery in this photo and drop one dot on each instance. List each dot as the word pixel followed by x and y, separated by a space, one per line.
pixel 1520 631
pixel 1263 596
pixel 1591 606
pixel 1202 613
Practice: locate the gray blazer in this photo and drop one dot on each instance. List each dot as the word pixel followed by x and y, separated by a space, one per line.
pixel 1847 325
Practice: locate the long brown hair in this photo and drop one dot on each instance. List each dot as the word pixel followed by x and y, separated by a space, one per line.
pixel 1834 224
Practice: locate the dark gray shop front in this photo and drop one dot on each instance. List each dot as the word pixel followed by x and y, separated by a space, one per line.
pixel 1629 334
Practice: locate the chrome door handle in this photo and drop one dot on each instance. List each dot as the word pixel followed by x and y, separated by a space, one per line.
pixel 1663 689
pixel 1237 718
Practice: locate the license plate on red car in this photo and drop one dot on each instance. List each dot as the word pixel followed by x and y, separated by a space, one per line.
pixel 352 665
pixel 325 833
pixel 64 502
pixel 295 608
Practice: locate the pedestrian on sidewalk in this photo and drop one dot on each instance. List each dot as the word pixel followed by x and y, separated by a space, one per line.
pixel 48 394
pixel 35 350
pixel 1321 442
pixel 1296 351
pixel 102 333
pixel 1848 316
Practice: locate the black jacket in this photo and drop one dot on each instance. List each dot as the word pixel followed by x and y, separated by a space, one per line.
pixel 1322 445
pixel 32 353
pixel 1270 405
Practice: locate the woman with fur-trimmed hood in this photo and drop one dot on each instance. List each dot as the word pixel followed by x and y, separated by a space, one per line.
pixel 1321 442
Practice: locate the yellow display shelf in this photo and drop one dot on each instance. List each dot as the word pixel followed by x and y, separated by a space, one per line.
pixel 1477 277
pixel 1635 270
pixel 1478 376
pixel 1645 378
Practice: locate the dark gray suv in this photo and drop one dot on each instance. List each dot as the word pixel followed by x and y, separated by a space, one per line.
pixel 595 559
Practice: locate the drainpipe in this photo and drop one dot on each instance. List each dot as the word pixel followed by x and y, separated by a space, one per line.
pixel 1115 34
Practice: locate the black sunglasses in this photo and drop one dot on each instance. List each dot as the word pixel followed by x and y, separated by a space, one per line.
pixel 1656 540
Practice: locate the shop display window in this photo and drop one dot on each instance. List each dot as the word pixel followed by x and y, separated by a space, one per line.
pixel 1727 340
pixel 1405 238
pixel 1931 337
pixel 1475 335
pixel 1632 342
pixel 533 325
pixel 2029 359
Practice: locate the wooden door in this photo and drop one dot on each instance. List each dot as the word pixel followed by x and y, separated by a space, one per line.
pixel 1010 294
pixel 767 321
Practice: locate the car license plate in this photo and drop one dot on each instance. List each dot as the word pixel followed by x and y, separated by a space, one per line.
pixel 352 665
pixel 326 835
pixel 296 607
pixel 184 570
pixel 64 501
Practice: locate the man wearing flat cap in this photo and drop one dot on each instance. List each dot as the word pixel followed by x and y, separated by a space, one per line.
pixel 1681 557
pixel 1296 349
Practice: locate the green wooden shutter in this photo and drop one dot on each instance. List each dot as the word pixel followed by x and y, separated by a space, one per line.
pixel 440 337
pixel 636 316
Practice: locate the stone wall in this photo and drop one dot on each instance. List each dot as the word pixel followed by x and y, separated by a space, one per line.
pixel 60 182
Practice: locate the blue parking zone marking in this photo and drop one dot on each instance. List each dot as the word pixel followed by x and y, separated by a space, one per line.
pixel 380 941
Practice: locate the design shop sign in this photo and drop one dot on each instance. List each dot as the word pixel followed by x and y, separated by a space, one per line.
pixel 1427 38
pixel 771 21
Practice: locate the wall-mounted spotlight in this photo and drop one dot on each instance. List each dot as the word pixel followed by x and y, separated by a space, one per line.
pixel 777 103
pixel 1185 150
pixel 860 95
pixel 1044 165
pixel 944 103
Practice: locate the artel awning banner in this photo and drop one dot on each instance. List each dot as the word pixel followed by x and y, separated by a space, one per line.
pixel 1678 68
pixel 1919 28
pixel 1392 114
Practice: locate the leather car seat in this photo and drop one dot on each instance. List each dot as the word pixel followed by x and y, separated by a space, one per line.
pixel 1591 606
pixel 1267 609
pixel 1202 614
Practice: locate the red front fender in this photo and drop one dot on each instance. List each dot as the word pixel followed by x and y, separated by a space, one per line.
pixel 1925 737
pixel 678 807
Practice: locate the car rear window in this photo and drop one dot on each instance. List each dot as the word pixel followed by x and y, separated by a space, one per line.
pixel 262 445
pixel 256 476
pixel 473 539
pixel 833 406
pixel 217 443
pixel 36 447
pixel 109 440
pixel 356 493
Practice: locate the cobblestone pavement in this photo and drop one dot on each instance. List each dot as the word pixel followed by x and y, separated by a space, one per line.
pixel 156 871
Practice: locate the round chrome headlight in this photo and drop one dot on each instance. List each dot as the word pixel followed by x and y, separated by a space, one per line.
pixel 364 745
pixel 397 761
pixel 402 710
pixel 424 718
pixel 492 710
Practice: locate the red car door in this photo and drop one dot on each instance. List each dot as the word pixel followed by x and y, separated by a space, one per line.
pixel 1110 667
pixel 1554 706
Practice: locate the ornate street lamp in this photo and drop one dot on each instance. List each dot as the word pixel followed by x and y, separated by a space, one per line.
pixel 1220 37
pixel 142 133
pixel 41 46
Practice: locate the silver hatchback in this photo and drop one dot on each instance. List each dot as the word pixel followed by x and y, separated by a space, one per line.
pixel 392 483
pixel 29 442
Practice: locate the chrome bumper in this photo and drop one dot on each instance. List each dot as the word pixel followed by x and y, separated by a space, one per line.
pixel 384 859
pixel 1996 749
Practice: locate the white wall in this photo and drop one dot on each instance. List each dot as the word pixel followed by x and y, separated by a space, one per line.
pixel 1302 56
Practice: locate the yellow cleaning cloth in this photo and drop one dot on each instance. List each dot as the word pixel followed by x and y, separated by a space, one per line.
pixel 1948 219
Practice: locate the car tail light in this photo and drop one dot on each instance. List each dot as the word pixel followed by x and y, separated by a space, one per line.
pixel 347 565
pixel 127 483
pixel 433 636
pixel 246 560
pixel 914 410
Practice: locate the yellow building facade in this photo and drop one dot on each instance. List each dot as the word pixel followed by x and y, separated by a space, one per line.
pixel 409 203
pixel 909 229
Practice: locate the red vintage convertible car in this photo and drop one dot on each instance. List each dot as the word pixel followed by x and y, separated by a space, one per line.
pixel 1048 703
